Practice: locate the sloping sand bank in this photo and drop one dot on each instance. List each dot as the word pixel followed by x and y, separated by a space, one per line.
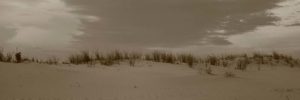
pixel 146 81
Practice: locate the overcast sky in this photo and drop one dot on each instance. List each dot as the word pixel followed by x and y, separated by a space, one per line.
pixel 198 26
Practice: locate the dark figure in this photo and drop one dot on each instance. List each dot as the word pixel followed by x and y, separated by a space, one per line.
pixel 18 57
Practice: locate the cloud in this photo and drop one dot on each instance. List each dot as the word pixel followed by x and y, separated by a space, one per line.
pixel 284 34
pixel 41 23
pixel 269 37
pixel 288 12
pixel 170 23
pixel 144 23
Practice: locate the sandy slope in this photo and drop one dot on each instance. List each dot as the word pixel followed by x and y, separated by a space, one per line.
pixel 147 81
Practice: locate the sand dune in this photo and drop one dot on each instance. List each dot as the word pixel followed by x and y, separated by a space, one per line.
pixel 146 81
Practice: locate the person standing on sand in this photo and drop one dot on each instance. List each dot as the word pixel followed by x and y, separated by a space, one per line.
pixel 18 57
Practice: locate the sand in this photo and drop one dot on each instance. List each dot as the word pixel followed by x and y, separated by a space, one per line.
pixel 145 81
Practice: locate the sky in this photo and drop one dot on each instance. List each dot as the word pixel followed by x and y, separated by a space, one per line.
pixel 195 26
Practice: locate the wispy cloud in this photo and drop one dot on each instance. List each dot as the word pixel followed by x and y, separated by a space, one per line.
pixel 288 12
pixel 41 23
pixel 284 34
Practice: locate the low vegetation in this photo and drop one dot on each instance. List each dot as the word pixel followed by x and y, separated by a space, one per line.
pixel 240 61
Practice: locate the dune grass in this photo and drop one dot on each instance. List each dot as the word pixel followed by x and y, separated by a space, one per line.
pixel 80 58
pixel 240 61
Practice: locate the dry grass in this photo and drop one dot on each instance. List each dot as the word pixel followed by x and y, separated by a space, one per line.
pixel 188 59
pixel 80 58
pixel 241 61
pixel 158 56
pixel 107 59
